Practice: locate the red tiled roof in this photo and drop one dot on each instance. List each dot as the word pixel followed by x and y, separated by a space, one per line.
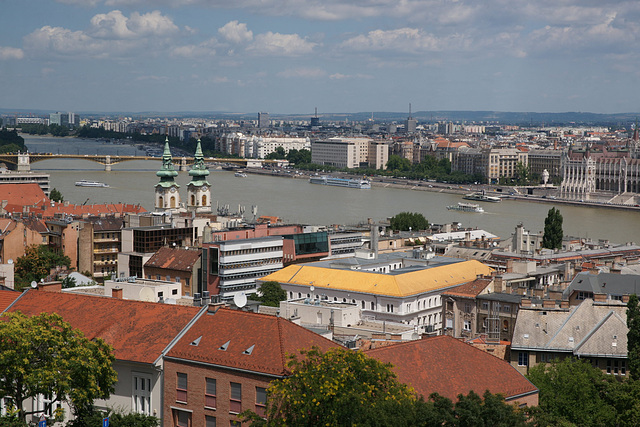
pixel 58 209
pixel 174 259
pixel 470 289
pixel 22 194
pixel 138 331
pixel 450 367
pixel 6 298
pixel 272 339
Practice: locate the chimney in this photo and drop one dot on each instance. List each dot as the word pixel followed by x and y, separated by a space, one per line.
pixel 498 285
pixel 50 286
pixel 509 266
pixel 525 302
pixel 117 293
pixel 564 303
pixel 555 294
pixel 548 303
pixel 625 298
pixel 600 297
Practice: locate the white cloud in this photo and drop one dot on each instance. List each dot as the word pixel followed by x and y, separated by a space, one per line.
pixel 153 78
pixel 340 76
pixel 303 72
pixel 204 49
pixel 236 32
pixel 11 53
pixel 109 34
pixel 115 25
pixel 281 44
pixel 401 40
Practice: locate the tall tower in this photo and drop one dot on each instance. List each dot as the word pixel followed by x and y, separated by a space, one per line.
pixel 167 194
pixel 198 189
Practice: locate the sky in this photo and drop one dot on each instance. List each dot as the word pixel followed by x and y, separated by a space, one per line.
pixel 291 56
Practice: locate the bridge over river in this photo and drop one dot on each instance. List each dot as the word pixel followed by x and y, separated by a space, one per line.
pixel 22 161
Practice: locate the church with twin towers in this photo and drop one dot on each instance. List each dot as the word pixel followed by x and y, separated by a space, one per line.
pixel 168 191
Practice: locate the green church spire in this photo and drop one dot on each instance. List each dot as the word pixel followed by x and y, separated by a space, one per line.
pixel 199 171
pixel 167 173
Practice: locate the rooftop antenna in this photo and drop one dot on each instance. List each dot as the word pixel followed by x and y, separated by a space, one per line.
pixel 316 114
pixel 409 110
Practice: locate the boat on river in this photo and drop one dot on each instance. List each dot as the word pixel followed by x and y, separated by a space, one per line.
pixel 482 197
pixel 466 207
pixel 240 174
pixel 340 182
pixel 85 183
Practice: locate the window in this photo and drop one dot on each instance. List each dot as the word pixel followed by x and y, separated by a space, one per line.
pixel 507 308
pixel 449 323
pixel 523 358
pixel 181 418
pixel 209 421
pixel 141 393
pixel 467 325
pixel 210 393
pixel 181 389
pixel 261 400
pixel 467 307
pixel 236 398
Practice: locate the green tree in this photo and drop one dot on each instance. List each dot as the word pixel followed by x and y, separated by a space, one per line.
pixel 521 174
pixel 409 220
pixel 56 196
pixel 299 157
pixel 398 163
pixel 338 387
pixel 277 155
pixel 44 355
pixel 116 419
pixel 572 391
pixel 552 237
pixel 36 264
pixel 271 293
pixel 633 336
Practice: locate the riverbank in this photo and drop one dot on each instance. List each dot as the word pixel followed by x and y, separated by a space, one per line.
pixel 506 193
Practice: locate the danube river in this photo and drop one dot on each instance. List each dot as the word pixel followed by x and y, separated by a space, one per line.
pixel 295 200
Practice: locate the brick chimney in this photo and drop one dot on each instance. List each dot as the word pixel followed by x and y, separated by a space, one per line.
pixel 525 302
pixel 116 293
pixel 548 303
pixel 600 297
pixel 50 286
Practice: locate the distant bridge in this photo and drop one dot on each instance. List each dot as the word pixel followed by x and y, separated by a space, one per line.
pixel 22 161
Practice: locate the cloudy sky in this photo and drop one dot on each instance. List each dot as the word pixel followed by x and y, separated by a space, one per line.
pixel 290 56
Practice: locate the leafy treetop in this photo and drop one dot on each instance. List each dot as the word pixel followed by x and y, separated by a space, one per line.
pixel 409 220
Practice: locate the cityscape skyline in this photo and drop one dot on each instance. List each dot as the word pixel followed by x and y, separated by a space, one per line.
pixel 192 55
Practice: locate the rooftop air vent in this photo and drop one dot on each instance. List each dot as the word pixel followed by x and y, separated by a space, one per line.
pixel 196 342
pixel 224 346
pixel 249 350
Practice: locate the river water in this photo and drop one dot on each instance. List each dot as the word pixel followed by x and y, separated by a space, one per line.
pixel 297 201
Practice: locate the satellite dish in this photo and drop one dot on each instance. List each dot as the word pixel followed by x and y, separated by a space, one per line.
pixel 240 300
pixel 34 284
pixel 10 261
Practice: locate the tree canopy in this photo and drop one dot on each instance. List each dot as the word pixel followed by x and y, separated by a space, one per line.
pixel 572 392
pixel 36 264
pixel 270 293
pixel 342 387
pixel 409 220
pixel 56 195
pixel 633 336
pixel 552 237
pixel 44 355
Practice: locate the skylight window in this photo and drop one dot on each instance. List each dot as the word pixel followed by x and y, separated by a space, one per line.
pixel 196 342
pixel 224 346
pixel 249 350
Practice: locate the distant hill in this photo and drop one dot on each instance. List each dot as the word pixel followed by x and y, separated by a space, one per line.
pixel 495 117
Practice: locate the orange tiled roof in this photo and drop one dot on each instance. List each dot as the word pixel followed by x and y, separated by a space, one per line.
pixel 470 289
pixel 6 298
pixel 268 339
pixel 22 194
pixel 174 259
pixel 450 367
pixel 59 209
pixel 138 331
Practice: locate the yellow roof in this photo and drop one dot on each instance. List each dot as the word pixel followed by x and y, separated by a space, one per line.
pixel 397 285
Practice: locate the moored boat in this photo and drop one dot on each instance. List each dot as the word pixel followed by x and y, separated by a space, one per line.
pixel 482 197
pixel 340 182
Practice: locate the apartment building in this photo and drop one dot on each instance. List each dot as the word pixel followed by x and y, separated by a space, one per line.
pixel 232 267
pixel 501 163
pixel 350 153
